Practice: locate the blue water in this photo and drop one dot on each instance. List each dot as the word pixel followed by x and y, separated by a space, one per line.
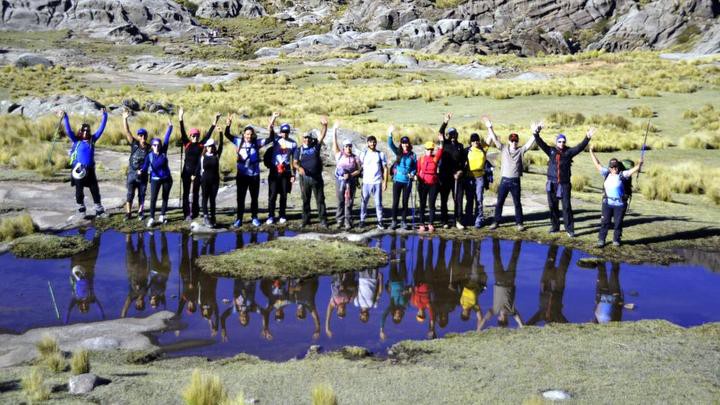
pixel 433 272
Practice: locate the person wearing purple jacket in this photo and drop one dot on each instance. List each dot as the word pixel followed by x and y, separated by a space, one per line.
pixel 156 165
pixel 82 160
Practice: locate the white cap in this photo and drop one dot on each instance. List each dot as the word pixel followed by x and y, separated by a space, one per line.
pixel 210 142
pixel 347 142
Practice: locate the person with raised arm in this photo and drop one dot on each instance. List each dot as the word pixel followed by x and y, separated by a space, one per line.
pixel 282 172
pixel 403 171
pixel 308 164
pixel 157 167
pixel 450 173
pixel 139 148
pixel 209 174
pixel 347 172
pixel 194 147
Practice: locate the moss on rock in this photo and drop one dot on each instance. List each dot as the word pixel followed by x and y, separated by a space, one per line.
pixel 43 246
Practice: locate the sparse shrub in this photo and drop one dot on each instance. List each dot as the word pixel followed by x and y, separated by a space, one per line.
pixel 323 395
pixel 656 189
pixel 12 227
pixel 33 386
pixel 647 92
pixel 207 87
pixel 566 119
pixel 641 111
pixel 713 194
pixel 579 182
pixel 204 389
pixel 55 362
pixel 47 346
pixel 701 140
pixel 80 362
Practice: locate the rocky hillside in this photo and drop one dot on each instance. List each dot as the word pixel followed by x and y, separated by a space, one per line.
pixel 472 26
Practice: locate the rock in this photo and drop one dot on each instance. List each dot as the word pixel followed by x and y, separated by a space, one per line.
pixel 131 104
pixel 531 76
pixel 408 61
pixel 230 9
pixel 556 395
pixel 374 57
pixel 30 60
pixel 100 343
pixel 709 43
pixel 473 71
pixel 313 350
pixel 8 107
pixel 36 107
pixel 158 108
pixel 82 384
pixel 415 34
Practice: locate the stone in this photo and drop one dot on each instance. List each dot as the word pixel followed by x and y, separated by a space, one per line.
pixel 556 395
pixel 35 107
pixel 30 60
pixel 131 104
pixel 407 61
pixel 82 384
pixel 100 343
pixel 158 108
pixel 313 350
pixel 230 9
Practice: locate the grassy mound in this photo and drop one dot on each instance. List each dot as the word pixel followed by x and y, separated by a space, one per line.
pixel 293 258
pixel 41 246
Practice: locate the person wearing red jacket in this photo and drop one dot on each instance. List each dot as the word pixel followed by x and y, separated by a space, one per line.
pixel 429 183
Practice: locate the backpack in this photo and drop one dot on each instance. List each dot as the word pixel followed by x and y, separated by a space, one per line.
pixel 626 183
pixel 268 157
pixel 488 176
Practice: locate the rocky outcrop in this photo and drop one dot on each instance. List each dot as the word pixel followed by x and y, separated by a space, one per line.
pixel 36 107
pixel 230 8
pixel 29 60
pixel 127 20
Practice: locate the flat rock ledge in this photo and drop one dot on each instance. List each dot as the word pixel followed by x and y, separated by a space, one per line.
pixel 125 334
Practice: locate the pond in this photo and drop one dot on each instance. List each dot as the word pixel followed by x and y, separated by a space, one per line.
pixel 430 287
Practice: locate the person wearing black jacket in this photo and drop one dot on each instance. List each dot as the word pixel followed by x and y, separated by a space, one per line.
pixel 209 174
pixel 139 148
pixel 558 178
pixel 193 147
pixel 451 164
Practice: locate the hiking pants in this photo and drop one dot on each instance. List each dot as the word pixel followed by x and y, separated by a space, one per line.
pixel 209 194
pixel 245 183
pixel 188 188
pixel 155 186
pixel 139 183
pixel 369 190
pixel 509 185
pixel 427 193
pixel 343 215
pixel 405 189
pixel 553 203
pixel 308 187
pixel 278 186
pixel 447 188
pixel 474 194
pixel 89 181
pixel 614 213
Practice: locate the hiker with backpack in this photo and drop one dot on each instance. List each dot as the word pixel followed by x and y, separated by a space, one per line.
pixel 194 148
pixel 428 183
pixel 82 160
pixel 450 172
pixel 617 188
pixel 157 168
pixel 308 164
pixel 374 179
pixel 403 171
pixel 282 172
pixel 247 149
pixel 475 178
pixel 209 174
pixel 347 173
pixel 558 186
pixel 511 163
pixel 139 148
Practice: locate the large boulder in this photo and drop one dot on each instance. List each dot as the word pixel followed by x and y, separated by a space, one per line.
pixel 34 107
pixel 30 59
pixel 230 9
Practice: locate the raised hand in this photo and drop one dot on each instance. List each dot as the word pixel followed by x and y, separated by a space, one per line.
pixel 486 121
pixel 448 116
pixel 181 114
pixel 60 113
pixel 324 121
pixel 591 132
pixel 217 117
pixel 103 110
pixel 125 113
pixel 229 119
pixel 391 129
pixel 275 115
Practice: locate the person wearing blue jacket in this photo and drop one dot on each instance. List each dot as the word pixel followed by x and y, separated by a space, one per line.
pixel 156 166
pixel 403 173
pixel 82 160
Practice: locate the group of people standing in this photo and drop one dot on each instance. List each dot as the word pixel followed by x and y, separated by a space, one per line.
pixel 447 168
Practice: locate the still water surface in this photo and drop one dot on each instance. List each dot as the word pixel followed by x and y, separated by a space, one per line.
pixel 431 287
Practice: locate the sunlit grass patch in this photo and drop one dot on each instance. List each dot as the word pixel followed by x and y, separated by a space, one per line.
pixel 34 387
pixel 80 362
pixel 323 395
pixel 42 246
pixel 204 389
pixel 15 226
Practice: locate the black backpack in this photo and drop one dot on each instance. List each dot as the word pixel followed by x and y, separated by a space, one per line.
pixel 268 157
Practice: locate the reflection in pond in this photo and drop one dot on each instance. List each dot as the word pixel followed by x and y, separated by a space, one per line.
pixel 429 288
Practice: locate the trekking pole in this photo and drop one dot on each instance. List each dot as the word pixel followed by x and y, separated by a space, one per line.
pixel 414 190
pixel 52 297
pixel 642 150
pixel 181 172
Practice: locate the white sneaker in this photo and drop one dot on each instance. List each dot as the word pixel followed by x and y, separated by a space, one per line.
pixel 282 220
pixel 150 222
pixel 162 219
pixel 270 221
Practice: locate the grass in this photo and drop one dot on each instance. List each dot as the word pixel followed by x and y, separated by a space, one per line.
pixel 288 257
pixel 47 346
pixel 12 227
pixel 55 362
pixel 34 387
pixel 80 362
pixel 682 178
pixel 323 395
pixel 204 389
pixel 42 246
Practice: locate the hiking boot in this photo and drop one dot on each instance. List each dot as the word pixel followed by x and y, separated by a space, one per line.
pixel 206 221
pixel 348 226
pixel 431 228
pixel 361 224
pixel 446 226
pixel 520 227
pixel 255 222
pixel 282 220
pixel 163 220
pixel 323 224
pixel 380 226
pixel 270 221
pixel 188 218
pixel 600 244
pixel 616 243
pixel 421 228
pixel 237 223
pixel 493 226
pixel 150 222
pixel 393 224
pixel 141 216
pixel 404 226
pixel 570 234
pixel 459 225
pixel 478 223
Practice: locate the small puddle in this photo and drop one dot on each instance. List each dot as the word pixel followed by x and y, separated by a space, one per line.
pixel 136 275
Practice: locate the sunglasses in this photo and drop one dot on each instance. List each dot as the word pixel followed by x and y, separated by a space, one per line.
pixel 560 141
pixel 155 145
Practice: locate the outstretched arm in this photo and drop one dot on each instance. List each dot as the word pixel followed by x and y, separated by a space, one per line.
pixel 443 126
pixel 391 144
pixel 582 145
pixel 323 130
pixel 101 129
pixel 535 127
pixel 166 142
pixel 228 124
pixel 491 133
pixel 595 160
pixel 330 307
pixel 271 126
pixel 210 130
pixel 543 146
pixel 128 134
pixel 336 148
pixel 635 168
pixel 66 123
pixel 183 135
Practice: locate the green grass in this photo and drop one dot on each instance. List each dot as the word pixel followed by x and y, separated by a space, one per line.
pixel 80 362
pixel 12 227
pixel 42 246
pixel 47 346
pixel 55 362
pixel 323 395
pixel 34 387
pixel 204 389
pixel 294 257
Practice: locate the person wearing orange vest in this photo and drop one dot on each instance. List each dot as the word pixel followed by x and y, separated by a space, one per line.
pixel 428 183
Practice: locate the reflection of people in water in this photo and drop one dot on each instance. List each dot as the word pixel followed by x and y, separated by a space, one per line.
pixel 82 276
pixel 504 288
pixel 137 268
pixel 277 294
pixel 369 290
pixel 188 275
pixel 609 298
pixel 244 304
pixel 159 271
pixel 207 286
pixel 552 288
pixel 421 291
pixel 342 290
pixel 474 284
pixel 397 285
pixel 302 294
pixel 445 297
